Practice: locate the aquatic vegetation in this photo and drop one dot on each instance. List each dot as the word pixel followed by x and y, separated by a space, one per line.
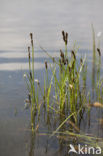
pixel 65 94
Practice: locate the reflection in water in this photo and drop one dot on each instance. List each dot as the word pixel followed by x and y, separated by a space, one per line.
pixel 32 144
pixel 41 142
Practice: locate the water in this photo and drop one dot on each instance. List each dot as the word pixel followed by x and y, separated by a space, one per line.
pixel 46 19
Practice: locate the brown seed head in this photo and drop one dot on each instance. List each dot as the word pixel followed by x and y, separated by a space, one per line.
pixel 61 54
pixel 81 61
pixel 29 97
pixel 73 53
pixel 30 75
pixel 99 52
pixel 29 52
pixel 63 34
pixel 46 65
pixel 66 38
pixel 31 36
pixel 32 43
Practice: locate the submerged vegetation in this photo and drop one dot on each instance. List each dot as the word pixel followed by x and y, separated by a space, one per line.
pixel 65 94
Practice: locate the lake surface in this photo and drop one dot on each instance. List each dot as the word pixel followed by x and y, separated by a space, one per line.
pixel 45 19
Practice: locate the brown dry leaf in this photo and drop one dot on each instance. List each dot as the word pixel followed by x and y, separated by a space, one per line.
pixel 71 86
pixel 96 104
pixel 36 129
pixel 101 122
pixel 73 125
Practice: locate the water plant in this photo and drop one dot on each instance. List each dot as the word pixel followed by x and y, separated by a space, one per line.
pixel 65 91
pixel 30 81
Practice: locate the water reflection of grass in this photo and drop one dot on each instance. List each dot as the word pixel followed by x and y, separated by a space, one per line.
pixel 65 89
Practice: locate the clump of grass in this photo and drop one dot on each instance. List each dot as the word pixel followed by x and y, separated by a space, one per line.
pixel 67 83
